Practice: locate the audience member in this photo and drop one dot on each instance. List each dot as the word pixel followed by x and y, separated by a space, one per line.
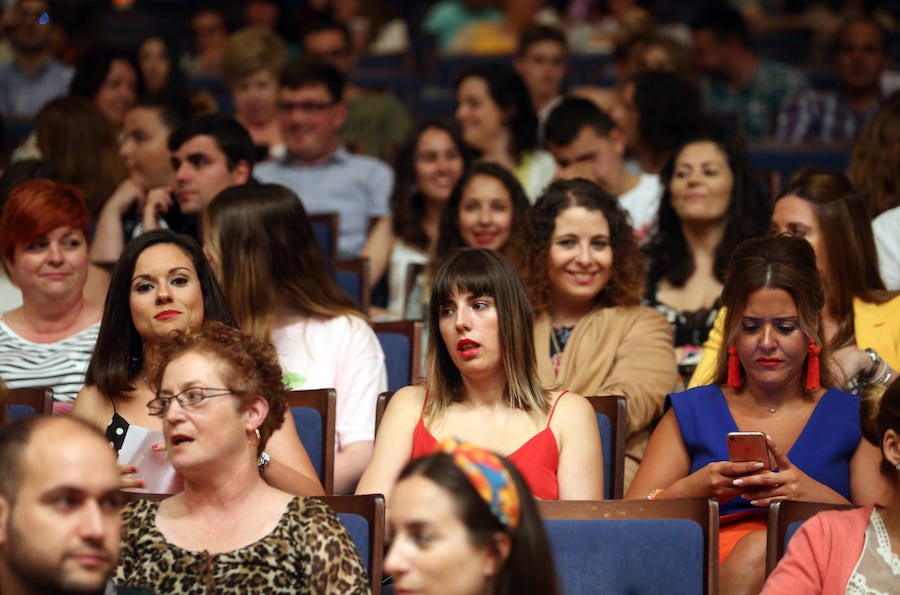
pixel 158 62
pixel 487 209
pixel 737 81
pixel 498 121
pixel 586 143
pixel 651 52
pixel 710 204
pixel 251 67
pixel 376 123
pixel 486 520
pixel 210 36
pixel 585 280
pixel 769 379
pixel 837 116
pixel 34 76
pixel 823 208
pixel 148 159
pixel 598 27
pixel 427 169
pixel 326 176
pixel 73 135
pixel 220 397
pixel 60 504
pixel 163 283
pixel 280 291
pixel 49 339
pixel 209 153
pixel 111 79
pixel 658 112
pixel 483 387
pixel 875 162
pixel 542 61
pixel 853 550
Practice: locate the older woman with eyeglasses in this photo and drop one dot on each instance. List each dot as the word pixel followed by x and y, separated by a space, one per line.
pixel 220 396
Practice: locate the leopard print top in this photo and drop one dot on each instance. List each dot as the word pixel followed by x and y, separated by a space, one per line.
pixel 308 552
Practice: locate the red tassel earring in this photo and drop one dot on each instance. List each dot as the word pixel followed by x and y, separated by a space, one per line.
pixel 734 368
pixel 812 365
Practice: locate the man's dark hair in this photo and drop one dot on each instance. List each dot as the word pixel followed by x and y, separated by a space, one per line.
pixel 308 73
pixel 725 22
pixel 537 33
pixel 857 20
pixel 327 24
pixel 230 136
pixel 572 115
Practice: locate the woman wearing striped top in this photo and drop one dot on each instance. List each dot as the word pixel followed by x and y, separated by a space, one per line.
pixel 49 339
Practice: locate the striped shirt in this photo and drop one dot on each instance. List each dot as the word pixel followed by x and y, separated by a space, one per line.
pixel 60 365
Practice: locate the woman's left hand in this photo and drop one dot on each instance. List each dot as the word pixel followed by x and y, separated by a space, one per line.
pixel 764 488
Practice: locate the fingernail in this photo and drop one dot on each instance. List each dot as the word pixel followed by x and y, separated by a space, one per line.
pixel 738 482
pixel 758 465
pixel 754 502
pixel 140 483
pixel 133 469
pixel 154 447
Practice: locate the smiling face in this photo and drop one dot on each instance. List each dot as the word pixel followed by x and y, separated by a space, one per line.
pixel 211 430
pixel 256 97
pixel 485 213
pixel 701 183
pixel 769 341
pixel 50 267
pixel 432 552
pixel 470 328
pixel 310 120
pixel 797 216
pixel 118 92
pixel 62 532
pixel 580 259
pixel 438 164
pixel 144 148
pixel 165 293
pixel 479 116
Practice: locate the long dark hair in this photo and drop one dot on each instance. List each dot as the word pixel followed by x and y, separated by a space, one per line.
pixel 119 353
pixel 747 216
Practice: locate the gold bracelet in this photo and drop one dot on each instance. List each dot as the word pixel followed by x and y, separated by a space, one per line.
pixel 656 492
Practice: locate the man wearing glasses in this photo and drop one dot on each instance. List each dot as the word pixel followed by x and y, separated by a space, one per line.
pixel 323 173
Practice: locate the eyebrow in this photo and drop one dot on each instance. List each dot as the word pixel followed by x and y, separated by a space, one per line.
pixel 170 271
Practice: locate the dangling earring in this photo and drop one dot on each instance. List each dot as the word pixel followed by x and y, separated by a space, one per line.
pixel 734 368
pixel 812 365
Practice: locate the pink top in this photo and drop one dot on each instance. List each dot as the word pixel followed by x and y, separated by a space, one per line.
pixel 537 460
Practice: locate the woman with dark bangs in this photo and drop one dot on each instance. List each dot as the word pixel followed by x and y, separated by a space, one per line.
pixel 483 387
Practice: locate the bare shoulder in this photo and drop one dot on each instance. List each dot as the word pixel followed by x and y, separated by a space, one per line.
pixel 571 407
pixel 407 400
pixel 93 406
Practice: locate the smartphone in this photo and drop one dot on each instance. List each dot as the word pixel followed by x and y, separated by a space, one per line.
pixel 748 446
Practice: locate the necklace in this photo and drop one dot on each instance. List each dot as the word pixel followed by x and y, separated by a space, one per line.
pixel 769 407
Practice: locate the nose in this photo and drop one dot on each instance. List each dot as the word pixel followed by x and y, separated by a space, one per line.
pixel 396 562
pixel 484 216
pixel 162 294
pixel 182 172
pixel 54 253
pixel 463 321
pixel 767 340
pixel 126 147
pixel 91 527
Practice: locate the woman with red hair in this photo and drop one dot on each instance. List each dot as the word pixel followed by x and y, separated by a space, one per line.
pixel 43 240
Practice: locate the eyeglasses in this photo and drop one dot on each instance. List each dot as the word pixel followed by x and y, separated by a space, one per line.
pixel 309 107
pixel 187 399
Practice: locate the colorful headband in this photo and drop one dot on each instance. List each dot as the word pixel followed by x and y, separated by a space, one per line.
pixel 486 473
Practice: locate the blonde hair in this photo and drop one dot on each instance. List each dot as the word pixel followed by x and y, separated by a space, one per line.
pixel 250 50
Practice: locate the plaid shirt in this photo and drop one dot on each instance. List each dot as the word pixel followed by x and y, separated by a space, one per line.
pixel 820 116
pixel 758 102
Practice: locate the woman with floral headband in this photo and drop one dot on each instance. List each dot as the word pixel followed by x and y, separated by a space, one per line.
pixel 464 523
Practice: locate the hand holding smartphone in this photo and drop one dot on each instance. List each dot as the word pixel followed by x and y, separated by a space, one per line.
pixel 748 446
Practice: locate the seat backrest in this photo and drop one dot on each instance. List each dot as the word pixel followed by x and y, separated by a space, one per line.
pixel 612 419
pixel 634 546
pixel 325 228
pixel 785 517
pixel 352 275
pixel 363 516
pixel 23 402
pixel 401 341
pixel 380 405
pixel 314 415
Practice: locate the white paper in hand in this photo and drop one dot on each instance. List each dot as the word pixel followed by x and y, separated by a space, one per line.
pixel 153 467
